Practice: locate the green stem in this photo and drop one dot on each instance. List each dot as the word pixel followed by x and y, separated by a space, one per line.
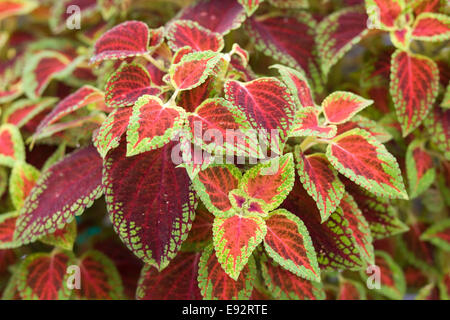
pixel 157 63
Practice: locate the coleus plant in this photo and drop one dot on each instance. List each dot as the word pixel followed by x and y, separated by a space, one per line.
pixel 225 149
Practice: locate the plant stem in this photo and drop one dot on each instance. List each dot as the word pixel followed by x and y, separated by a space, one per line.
pixel 158 64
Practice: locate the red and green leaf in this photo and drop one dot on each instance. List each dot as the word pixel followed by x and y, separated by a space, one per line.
pixel 250 6
pixel 216 284
pixel 357 155
pixel 7 228
pixel 375 129
pixel 220 16
pixel 341 106
pixel 235 238
pixel 11 145
pixel 177 282
pixel 127 84
pixel 23 111
pixel 62 238
pixel 431 27
pixel 360 227
pixel 383 14
pixel 270 181
pixel 333 240
pixel 22 180
pixel 183 33
pixel 266 102
pixel 338 33
pixel 306 123
pixel 42 276
pixel 438 234
pixel 320 181
pixel 220 127
pixel 10 8
pixel 77 100
pixel 392 279
pixel 287 242
pixel 438 125
pixel 379 212
pixel 351 290
pixel 298 86
pixel 100 279
pixel 65 190
pixel 194 69
pixel 416 251
pixel 213 185
pixel 414 87
pixel 128 39
pixel 152 125
pixel 419 168
pixel 40 69
pixel 285 285
pixel 111 130
pixel 290 39
pixel 155 220
pixel 201 231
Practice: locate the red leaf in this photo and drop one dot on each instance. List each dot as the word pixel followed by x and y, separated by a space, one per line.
pixel 438 125
pixel 419 168
pixel 100 279
pixel 306 123
pixel 338 33
pixel 152 125
pixel 11 145
pixel 416 251
pixel 351 290
pixel 235 238
pixel 290 39
pixel 265 101
pixel 43 276
pixel 60 14
pixel 112 129
pixel 359 226
pixel 213 185
pixel 77 100
pixel 414 87
pixel 7 258
pixel 379 212
pixel 183 33
pixel 177 282
pixel 215 284
pixel 23 111
pixel 361 158
pixel 10 8
pixel 201 231
pixel 191 99
pixel 127 84
pixel 320 181
pixel 431 27
pixel 287 241
pixel 128 39
pixel 384 13
pixel 150 202
pixel 193 69
pixel 297 85
pixel 341 106
pixel 375 129
pixel 285 285
pixel 22 179
pixel 270 181
pixel 7 227
pixel 220 16
pixel 333 240
pixel 65 190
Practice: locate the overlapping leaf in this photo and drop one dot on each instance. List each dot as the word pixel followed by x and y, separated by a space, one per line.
pixel 150 202
pixel 383 14
pixel 216 284
pixel 24 110
pixel 65 190
pixel 22 180
pixel 365 161
pixel 287 241
pixel 11 145
pixel 439 234
pixel 183 33
pixel 7 227
pixel 320 181
pixel 306 123
pixel 220 16
pixel 338 33
pixel 419 168
pixel 10 8
pixel 431 27
pixel 351 290
pixel 127 84
pixel 438 125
